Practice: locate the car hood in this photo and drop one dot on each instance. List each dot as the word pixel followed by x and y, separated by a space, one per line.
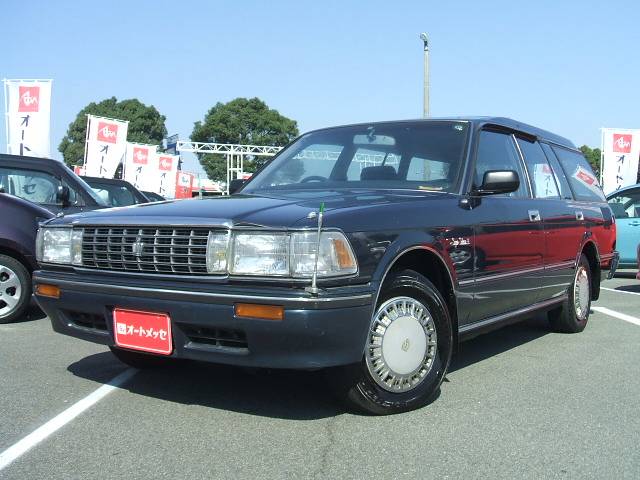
pixel 285 210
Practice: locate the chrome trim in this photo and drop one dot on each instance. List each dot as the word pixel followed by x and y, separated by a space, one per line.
pixel 183 293
pixel 497 276
pixel 534 216
pixel 514 273
pixel 515 313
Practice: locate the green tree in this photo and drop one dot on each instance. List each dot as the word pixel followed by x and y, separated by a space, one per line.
pixel 593 157
pixel 243 121
pixel 146 125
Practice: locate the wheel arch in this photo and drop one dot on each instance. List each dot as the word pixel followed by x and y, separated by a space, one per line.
pixel 590 250
pixel 428 262
pixel 15 254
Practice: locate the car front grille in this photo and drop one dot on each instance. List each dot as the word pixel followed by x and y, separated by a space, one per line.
pixel 146 249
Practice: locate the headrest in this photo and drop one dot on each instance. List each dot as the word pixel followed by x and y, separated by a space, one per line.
pixel 382 172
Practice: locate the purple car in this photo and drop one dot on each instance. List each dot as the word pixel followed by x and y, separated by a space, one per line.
pixel 19 220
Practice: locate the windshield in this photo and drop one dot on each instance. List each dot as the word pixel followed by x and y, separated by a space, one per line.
pixel 409 155
pixel 112 194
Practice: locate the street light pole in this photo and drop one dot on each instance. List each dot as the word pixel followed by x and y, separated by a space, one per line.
pixel 425 41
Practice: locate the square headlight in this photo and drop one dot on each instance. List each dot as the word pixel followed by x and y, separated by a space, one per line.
pixel 260 254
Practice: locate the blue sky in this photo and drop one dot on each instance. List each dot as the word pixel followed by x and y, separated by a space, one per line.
pixel 570 67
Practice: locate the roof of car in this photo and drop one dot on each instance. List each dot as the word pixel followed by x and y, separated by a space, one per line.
pixel 25 160
pixel 115 181
pixel 623 189
pixel 481 121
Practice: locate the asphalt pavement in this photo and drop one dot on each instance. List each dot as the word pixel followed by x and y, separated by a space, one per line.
pixel 521 402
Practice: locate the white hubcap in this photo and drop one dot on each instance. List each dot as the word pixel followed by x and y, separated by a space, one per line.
pixel 581 293
pixel 10 291
pixel 402 344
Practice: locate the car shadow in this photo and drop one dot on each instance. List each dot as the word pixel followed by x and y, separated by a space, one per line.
pixel 283 394
pixel 629 288
pixel 33 313
pixel 499 341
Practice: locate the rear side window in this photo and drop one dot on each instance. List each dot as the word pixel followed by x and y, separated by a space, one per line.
pixel 561 180
pixel 583 181
pixel 496 151
pixel 540 173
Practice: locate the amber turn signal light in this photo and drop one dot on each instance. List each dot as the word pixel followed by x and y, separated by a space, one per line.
pixel 266 312
pixel 45 290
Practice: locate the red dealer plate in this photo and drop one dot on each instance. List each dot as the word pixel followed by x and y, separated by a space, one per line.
pixel 145 331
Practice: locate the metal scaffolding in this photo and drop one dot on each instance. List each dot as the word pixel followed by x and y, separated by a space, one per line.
pixel 234 153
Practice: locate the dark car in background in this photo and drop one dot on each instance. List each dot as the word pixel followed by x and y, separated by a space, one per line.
pixel 115 192
pixel 153 196
pixel 19 221
pixel 369 250
pixel 48 183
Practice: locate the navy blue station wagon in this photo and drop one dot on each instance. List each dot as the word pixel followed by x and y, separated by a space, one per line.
pixel 369 250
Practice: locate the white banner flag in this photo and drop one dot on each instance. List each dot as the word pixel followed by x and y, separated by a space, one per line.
pixel 28 111
pixel 621 149
pixel 106 145
pixel 140 168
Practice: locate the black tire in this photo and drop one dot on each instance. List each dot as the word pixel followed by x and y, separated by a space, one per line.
pixel 571 317
pixel 358 386
pixel 15 289
pixel 140 360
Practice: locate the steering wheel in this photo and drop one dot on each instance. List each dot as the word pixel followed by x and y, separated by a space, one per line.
pixel 314 178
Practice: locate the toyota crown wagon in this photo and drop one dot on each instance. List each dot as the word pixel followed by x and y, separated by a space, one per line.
pixel 369 250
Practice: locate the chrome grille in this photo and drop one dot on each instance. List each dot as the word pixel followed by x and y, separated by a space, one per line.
pixel 146 249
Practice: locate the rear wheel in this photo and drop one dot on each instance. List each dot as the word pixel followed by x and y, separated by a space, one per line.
pixel 573 316
pixel 407 353
pixel 139 360
pixel 15 289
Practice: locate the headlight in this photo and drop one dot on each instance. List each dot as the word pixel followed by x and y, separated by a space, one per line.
pixel 59 245
pixel 280 254
pixel 217 246
pixel 336 257
pixel 259 254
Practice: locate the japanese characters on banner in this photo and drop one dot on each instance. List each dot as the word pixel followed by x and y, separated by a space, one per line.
pixel 184 185
pixel 105 146
pixel 166 178
pixel 140 166
pixel 28 111
pixel 620 149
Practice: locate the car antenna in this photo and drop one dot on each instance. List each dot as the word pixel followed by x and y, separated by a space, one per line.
pixel 313 289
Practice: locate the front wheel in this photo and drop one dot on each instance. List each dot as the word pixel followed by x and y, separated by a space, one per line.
pixel 408 349
pixel 573 315
pixel 15 289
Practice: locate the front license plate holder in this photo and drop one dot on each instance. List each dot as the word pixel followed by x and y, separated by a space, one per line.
pixel 144 331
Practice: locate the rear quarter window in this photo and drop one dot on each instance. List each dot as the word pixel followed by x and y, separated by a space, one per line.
pixel 583 181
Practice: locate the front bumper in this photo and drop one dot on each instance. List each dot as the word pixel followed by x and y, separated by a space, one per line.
pixel 316 332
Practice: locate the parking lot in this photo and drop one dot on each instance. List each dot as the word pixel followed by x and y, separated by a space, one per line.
pixel 520 402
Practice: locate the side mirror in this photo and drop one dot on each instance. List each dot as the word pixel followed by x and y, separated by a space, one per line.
pixel 2 188
pixel 235 185
pixel 62 195
pixel 499 181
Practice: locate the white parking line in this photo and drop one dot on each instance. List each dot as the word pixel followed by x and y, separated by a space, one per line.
pixel 618 291
pixel 621 316
pixel 59 421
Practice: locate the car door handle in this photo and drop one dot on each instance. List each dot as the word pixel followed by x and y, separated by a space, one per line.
pixel 534 216
pixel 579 215
pixel 634 224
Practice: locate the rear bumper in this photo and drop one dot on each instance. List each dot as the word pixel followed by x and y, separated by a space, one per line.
pixel 317 332
pixel 613 265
